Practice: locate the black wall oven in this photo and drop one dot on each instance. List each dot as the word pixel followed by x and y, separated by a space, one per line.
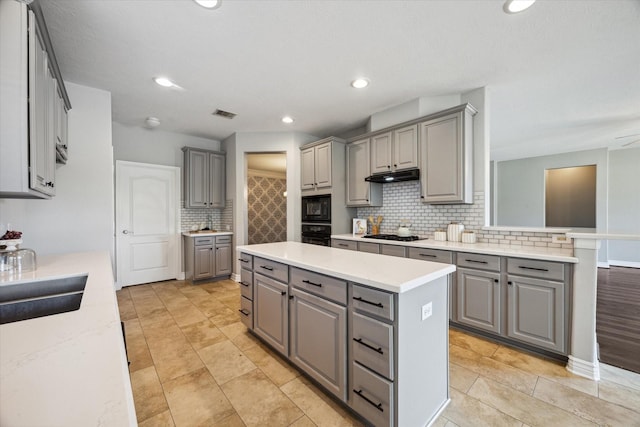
pixel 316 234
pixel 316 208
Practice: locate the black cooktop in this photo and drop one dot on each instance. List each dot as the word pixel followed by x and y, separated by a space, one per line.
pixel 393 237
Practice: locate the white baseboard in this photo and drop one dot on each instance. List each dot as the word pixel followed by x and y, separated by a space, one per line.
pixel 583 368
pixel 180 276
pixel 603 264
pixel 235 277
pixel 632 264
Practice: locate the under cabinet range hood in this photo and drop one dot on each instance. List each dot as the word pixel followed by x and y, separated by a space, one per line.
pixel 403 175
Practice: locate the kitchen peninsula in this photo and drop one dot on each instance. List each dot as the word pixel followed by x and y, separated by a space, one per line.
pixel 312 303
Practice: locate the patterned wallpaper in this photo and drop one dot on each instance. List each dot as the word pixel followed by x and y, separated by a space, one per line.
pixel 267 209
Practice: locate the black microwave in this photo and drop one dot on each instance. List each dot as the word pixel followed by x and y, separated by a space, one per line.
pixel 316 208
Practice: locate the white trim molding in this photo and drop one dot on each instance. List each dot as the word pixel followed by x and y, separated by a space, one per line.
pixel 632 264
pixel 583 368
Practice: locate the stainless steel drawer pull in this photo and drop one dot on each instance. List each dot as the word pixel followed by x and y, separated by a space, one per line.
pixel 266 267
pixel 343 244
pixel 243 260
pixel 532 268
pixel 245 312
pixel 378 406
pixel 477 262
pixel 311 283
pixel 429 255
pixel 378 350
pixel 244 284
pixel 377 304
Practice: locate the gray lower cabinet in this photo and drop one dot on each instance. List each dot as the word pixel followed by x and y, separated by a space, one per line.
pixel 223 255
pixel 271 312
pixel 207 257
pixel 318 340
pixel 246 290
pixel 204 263
pixel 344 244
pixel 372 248
pixel 438 255
pixel 479 299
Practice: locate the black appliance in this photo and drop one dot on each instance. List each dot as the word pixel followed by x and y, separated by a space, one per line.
pixel 397 176
pixel 393 237
pixel 316 208
pixel 316 234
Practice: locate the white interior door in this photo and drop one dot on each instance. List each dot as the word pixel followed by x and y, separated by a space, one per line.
pixel 147 218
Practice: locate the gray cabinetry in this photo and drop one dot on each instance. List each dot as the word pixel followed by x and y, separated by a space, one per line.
pixel 446 257
pixel 223 255
pixel 246 290
pixel 393 250
pixel 479 299
pixel 372 248
pixel 271 312
pixel 446 157
pixel 207 257
pixel 204 261
pixel 359 191
pixel 318 339
pixel 395 150
pixel 316 164
pixel 204 178
pixel 381 152
pixel 344 244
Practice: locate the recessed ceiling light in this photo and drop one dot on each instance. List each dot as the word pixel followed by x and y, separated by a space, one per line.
pixel 209 4
pixel 152 122
pixel 287 120
pixel 163 81
pixel 515 6
pixel 360 83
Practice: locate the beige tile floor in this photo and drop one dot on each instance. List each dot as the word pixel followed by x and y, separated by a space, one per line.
pixel 194 364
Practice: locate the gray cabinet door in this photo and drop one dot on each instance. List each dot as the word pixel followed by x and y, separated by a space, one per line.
pixel 307 163
pixel 359 191
pixel 271 312
pixel 322 165
pixel 479 299
pixel 223 259
pixel 381 152
pixel 204 265
pixel 536 312
pixel 318 340
pixel 405 148
pixel 217 183
pixel 197 179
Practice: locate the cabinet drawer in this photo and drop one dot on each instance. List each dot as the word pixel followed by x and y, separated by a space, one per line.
pixel 246 283
pixel 373 248
pixel 321 285
pixel 223 239
pixel 246 312
pixel 393 250
pixel 372 396
pixel 201 241
pixel 479 261
pixel 344 244
pixel 372 344
pixel 434 255
pixel 378 303
pixel 535 268
pixel 272 269
pixel 246 261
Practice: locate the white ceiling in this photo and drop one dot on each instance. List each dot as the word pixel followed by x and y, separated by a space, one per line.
pixel 562 76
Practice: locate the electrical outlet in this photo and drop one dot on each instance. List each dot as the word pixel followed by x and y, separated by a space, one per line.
pixel 427 310
pixel 560 238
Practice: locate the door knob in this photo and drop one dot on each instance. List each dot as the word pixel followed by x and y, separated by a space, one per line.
pixel 126 232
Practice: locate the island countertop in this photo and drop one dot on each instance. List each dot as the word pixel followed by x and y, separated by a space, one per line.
pixel 70 368
pixel 379 271
pixel 531 252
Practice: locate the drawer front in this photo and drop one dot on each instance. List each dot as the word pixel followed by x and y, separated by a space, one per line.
pixel 201 241
pixel 246 283
pixel 434 255
pixel 246 312
pixel 378 303
pixel 479 261
pixel 393 250
pixel 319 284
pixel 372 248
pixel 344 244
pixel 536 268
pixel 372 396
pixel 223 239
pixel 372 344
pixel 272 269
pixel 246 261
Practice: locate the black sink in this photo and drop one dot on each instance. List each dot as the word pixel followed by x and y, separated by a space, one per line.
pixel 40 298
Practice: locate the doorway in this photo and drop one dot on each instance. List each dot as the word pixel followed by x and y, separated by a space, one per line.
pixel 266 197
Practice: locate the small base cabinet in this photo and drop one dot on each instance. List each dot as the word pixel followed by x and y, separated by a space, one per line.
pixel 207 257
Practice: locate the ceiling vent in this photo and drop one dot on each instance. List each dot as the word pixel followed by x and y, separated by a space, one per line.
pixel 225 114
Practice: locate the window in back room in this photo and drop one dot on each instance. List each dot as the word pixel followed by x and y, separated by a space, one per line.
pixel 570 197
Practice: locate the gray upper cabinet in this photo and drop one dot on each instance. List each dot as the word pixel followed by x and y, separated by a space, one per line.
pixel 316 164
pixel 446 157
pixel 34 104
pixel 204 178
pixel 395 150
pixel 359 191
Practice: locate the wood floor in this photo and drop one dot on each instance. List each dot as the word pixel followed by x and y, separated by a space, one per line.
pixel 618 317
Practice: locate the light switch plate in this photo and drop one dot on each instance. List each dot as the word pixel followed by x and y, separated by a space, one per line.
pixel 560 238
pixel 427 310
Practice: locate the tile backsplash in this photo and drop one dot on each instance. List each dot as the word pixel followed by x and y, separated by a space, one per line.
pixel 220 218
pixel 401 201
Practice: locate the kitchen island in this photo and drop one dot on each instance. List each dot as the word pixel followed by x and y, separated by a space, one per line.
pixel 67 369
pixel 371 330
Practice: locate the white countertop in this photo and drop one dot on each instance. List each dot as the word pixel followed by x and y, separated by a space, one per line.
pixel 604 236
pixel 67 369
pixel 531 252
pixel 379 271
pixel 206 233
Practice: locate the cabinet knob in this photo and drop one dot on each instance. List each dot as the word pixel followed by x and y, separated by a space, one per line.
pixel 509 283
pixel 388 166
pixel 496 280
pixel 395 166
